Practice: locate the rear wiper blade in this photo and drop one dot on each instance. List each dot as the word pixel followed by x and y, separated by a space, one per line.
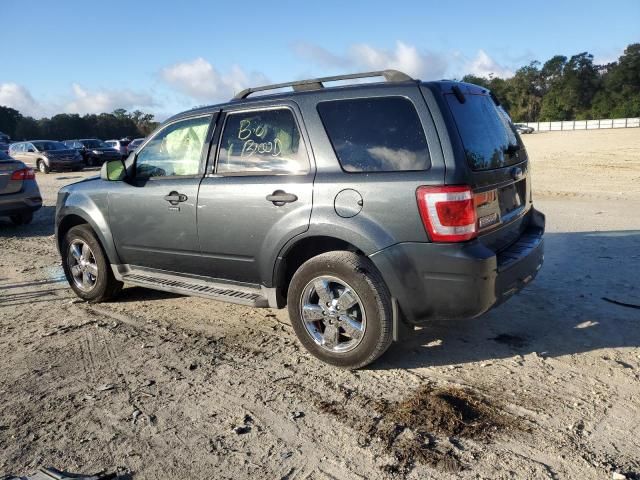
pixel 510 149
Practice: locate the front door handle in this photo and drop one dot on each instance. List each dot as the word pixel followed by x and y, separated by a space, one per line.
pixel 175 198
pixel 280 197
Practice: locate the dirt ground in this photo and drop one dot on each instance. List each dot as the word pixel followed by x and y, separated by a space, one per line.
pixel 161 386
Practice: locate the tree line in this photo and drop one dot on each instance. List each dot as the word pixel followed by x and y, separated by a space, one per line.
pixel 571 88
pixel 562 88
pixel 118 124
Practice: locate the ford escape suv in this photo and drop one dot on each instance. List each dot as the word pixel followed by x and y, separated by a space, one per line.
pixel 366 209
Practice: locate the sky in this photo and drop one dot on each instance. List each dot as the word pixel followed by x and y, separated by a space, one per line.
pixel 70 56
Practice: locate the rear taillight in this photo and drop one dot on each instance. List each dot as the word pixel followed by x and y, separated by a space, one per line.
pixel 23 174
pixel 448 213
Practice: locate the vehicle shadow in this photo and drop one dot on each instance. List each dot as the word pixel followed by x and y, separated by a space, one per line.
pixel 41 226
pixel 561 313
pixel 141 294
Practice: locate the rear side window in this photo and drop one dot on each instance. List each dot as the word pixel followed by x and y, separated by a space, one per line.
pixel 262 142
pixel 485 131
pixel 381 134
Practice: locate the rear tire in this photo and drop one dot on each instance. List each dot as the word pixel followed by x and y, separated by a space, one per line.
pixel 86 266
pixel 21 218
pixel 340 309
pixel 43 167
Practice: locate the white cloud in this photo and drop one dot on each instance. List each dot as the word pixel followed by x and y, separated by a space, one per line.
pixel 419 63
pixel 362 56
pixel 85 101
pixel 483 65
pixel 320 55
pixel 404 57
pixel 201 81
pixel 18 97
pixel 80 101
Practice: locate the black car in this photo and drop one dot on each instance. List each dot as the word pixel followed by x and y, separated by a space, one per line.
pixel 366 209
pixel 93 151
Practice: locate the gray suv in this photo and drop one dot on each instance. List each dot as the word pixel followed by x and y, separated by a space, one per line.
pixel 366 209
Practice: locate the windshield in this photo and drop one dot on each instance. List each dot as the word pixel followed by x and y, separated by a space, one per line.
pixel 94 144
pixel 48 146
pixel 485 130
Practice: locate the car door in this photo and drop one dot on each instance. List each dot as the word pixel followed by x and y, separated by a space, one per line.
pixel 153 214
pixel 258 193
pixel 30 155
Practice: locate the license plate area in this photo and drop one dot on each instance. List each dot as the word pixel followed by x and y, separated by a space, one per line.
pixel 511 198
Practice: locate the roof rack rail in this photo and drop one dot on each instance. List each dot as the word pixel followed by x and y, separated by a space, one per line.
pixel 317 83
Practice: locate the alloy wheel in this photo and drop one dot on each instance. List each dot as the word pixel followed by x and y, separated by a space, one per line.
pixel 82 265
pixel 333 314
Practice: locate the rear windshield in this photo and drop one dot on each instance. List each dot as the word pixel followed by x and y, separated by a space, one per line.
pixel 378 134
pixel 485 131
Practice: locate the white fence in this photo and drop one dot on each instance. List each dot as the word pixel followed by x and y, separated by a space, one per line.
pixel 585 124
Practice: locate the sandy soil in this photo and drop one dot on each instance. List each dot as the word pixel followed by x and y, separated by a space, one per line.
pixel 161 386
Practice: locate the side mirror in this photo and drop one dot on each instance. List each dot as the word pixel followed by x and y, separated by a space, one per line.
pixel 113 171
pixel 31 150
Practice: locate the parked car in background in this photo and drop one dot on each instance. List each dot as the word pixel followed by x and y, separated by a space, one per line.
pixel 120 145
pixel 93 151
pixel 4 138
pixel 4 147
pixel 46 155
pixel 522 128
pixel 135 143
pixel 229 202
pixel 19 192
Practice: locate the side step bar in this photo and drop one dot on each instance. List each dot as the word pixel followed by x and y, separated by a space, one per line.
pixel 193 286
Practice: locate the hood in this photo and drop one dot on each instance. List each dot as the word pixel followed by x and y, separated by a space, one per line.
pixel 68 187
pixel 104 149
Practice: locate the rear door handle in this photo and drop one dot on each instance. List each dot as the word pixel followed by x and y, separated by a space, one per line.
pixel 175 198
pixel 280 197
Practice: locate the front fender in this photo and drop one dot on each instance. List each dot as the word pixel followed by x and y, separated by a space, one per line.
pixel 92 210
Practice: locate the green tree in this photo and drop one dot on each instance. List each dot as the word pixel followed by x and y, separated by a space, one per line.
pixel 620 95
pixel 9 119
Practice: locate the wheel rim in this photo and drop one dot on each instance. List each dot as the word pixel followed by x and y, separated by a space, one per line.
pixel 41 166
pixel 332 314
pixel 82 265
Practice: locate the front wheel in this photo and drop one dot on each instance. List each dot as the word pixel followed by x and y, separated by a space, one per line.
pixel 86 266
pixel 340 309
pixel 43 167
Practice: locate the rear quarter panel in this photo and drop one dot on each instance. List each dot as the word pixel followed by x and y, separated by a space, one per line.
pixel 389 212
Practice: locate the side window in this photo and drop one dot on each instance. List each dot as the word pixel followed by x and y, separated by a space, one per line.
pixel 175 150
pixel 262 142
pixel 380 134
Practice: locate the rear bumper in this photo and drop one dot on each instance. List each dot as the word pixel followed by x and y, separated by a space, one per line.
pixel 454 281
pixel 28 200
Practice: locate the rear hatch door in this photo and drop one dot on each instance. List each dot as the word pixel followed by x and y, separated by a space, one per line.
pixel 496 162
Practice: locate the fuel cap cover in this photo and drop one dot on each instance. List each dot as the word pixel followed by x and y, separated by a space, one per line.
pixel 348 203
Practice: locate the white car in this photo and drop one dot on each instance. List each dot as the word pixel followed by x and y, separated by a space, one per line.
pixel 522 128
pixel 120 145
